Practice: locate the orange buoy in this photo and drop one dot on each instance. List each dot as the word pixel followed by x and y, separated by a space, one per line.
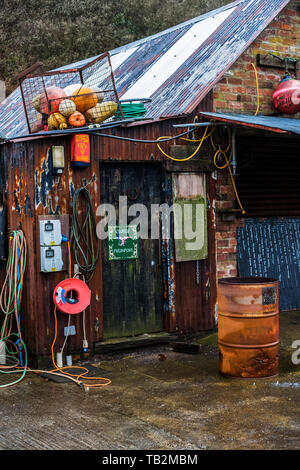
pixel 76 119
pixel 72 296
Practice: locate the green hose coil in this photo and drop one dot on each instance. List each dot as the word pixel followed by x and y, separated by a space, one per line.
pixel 131 110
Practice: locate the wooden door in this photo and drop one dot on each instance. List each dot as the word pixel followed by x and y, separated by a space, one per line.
pixel 132 288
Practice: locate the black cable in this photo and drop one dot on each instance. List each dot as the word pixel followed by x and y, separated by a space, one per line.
pixel 87 130
pixel 129 139
pixel 83 240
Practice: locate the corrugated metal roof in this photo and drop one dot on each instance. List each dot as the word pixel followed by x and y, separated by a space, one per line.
pixel 272 123
pixel 177 67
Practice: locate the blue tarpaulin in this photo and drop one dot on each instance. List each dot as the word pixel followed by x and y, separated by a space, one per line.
pixel 272 123
pixel 271 248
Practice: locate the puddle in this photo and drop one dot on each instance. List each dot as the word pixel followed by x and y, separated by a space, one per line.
pixel 286 384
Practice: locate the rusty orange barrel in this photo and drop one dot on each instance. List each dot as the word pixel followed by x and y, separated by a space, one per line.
pixel 248 327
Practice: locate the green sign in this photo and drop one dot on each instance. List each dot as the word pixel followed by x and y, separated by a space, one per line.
pixel 122 242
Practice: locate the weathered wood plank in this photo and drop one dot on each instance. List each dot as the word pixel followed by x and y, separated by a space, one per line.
pixel 132 289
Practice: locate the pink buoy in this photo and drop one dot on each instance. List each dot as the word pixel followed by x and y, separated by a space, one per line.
pixel 287 96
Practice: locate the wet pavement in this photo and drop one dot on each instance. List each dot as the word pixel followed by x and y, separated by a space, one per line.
pixel 159 400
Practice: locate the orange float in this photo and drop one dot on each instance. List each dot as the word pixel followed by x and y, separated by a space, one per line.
pixel 77 119
pixel 72 296
pixel 84 98
pixel 51 99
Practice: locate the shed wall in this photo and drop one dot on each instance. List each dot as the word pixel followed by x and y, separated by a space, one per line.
pixel 31 189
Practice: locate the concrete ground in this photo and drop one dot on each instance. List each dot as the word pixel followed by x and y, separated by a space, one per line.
pixel 159 400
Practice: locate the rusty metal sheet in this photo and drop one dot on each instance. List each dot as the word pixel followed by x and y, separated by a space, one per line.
pixel 31 190
pixel 248 329
pixel 196 294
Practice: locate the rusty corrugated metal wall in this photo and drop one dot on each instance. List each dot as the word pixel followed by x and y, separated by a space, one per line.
pixel 31 189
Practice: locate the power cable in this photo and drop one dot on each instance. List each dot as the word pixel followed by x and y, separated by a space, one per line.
pixel 83 238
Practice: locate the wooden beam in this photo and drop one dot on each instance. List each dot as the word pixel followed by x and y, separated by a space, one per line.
pixel 202 162
pixel 271 61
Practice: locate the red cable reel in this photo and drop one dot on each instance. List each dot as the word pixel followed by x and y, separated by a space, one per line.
pixel 80 299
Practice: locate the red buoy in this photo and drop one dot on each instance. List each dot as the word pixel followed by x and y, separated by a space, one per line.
pixel 287 96
pixel 72 296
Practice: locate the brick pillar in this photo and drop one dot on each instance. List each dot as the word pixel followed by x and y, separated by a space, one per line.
pixel 226 230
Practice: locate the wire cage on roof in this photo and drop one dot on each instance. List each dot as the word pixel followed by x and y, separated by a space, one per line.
pixel 69 98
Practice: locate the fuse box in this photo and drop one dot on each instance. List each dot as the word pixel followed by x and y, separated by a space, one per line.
pixel 51 259
pixel 50 232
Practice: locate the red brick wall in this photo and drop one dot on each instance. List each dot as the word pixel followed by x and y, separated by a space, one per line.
pixel 236 92
pixel 226 230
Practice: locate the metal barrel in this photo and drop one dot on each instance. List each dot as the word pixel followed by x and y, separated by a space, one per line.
pixel 248 327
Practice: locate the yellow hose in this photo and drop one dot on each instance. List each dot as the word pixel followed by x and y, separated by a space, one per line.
pixel 257 89
pixel 189 140
pixel 217 153
pixel 227 164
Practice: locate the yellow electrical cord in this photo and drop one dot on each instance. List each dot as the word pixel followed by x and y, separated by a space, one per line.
pixel 227 164
pixel 257 89
pixel 197 140
pixel 189 140
pixel 77 377
pixel 69 253
pixel 217 153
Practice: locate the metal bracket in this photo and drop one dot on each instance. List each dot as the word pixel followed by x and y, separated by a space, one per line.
pixel 275 61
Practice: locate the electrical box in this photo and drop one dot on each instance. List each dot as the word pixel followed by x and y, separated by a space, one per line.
pixel 58 159
pixel 51 259
pixel 50 232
